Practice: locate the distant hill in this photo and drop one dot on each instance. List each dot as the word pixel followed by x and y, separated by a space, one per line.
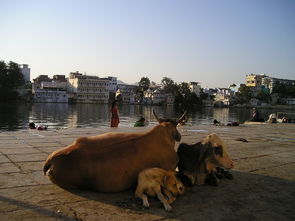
pixel 121 82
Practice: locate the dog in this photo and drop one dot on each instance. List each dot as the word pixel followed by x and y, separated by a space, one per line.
pixel 161 183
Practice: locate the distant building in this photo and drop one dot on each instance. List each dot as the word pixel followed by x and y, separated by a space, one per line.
pixel 158 96
pixel 49 90
pixel 210 91
pixel 265 82
pixel 26 71
pixel 113 84
pixel 88 89
pixel 289 101
pixel 223 97
pixel 37 81
pixel 126 93
pixel 272 82
pixel 254 80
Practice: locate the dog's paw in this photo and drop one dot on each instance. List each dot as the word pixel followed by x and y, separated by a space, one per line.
pixel 168 207
pixel 146 204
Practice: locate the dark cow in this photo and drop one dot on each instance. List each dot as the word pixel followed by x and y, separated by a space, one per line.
pixel 199 162
pixel 111 162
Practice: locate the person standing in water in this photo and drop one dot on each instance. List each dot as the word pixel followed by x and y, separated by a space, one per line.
pixel 114 114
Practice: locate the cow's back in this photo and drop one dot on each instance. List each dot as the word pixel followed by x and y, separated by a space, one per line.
pixel 109 162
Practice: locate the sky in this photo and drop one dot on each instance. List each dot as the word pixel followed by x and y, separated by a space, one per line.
pixel 214 42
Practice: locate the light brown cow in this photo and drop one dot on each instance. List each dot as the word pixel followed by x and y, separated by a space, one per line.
pixel 111 162
pixel 160 183
pixel 199 160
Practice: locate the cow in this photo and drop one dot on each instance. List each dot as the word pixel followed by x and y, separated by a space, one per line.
pixel 199 162
pixel 160 183
pixel 111 162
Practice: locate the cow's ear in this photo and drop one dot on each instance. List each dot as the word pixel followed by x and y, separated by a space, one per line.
pixel 181 118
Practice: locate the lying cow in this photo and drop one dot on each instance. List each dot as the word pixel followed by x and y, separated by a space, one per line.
pixel 111 162
pixel 160 183
pixel 198 162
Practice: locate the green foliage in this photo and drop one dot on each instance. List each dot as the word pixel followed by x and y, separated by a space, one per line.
pixel 244 94
pixel 169 86
pixel 203 95
pixel 263 96
pixel 10 78
pixel 184 89
pixel 185 98
pixel 144 84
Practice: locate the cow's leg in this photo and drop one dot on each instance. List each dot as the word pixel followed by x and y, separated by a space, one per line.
pixel 190 176
pixel 140 194
pixel 212 179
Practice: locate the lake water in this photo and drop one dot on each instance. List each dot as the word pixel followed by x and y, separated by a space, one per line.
pixel 54 115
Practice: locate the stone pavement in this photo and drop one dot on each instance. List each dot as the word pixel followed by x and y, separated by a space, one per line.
pixel 263 187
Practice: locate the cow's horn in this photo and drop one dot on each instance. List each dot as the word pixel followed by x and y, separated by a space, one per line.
pixel 158 119
pixel 182 117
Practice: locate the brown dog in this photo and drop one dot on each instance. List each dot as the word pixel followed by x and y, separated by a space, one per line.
pixel 160 183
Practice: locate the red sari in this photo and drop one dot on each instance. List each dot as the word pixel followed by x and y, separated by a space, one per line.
pixel 115 117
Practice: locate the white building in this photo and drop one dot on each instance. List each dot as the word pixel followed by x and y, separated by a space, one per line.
pixel 113 85
pixel 50 91
pixel 50 96
pixel 158 96
pixel 127 93
pixel 88 89
pixel 26 71
pixel 223 96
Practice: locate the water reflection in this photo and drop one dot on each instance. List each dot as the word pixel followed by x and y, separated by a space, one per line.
pixel 54 115
pixel 13 116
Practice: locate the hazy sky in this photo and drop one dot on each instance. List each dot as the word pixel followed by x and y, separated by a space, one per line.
pixel 213 42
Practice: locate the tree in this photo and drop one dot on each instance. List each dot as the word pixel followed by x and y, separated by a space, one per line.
pixel 232 85
pixel 263 96
pixel 184 89
pixel 144 84
pixel 185 99
pixel 244 94
pixel 169 86
pixel 10 78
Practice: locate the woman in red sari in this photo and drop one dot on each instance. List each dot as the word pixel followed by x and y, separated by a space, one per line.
pixel 115 114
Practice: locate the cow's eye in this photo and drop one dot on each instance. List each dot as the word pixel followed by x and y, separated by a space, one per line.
pixel 218 150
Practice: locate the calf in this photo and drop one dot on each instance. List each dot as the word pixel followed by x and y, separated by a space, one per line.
pixel 198 162
pixel 160 183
